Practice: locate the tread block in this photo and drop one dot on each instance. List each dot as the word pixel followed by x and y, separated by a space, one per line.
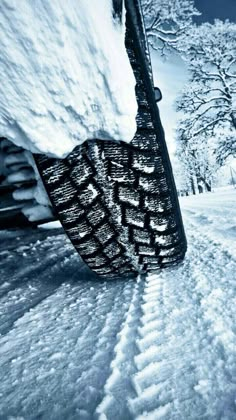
pixel 134 217
pixel 72 213
pixel 151 260
pixel 159 168
pixel 155 203
pixel 128 195
pixel 112 250
pixel 145 145
pixel 162 223
pixel 97 261
pixel 167 240
pixel 73 233
pixel 65 192
pixel 150 184
pixel 144 120
pixel 104 233
pixel 130 45
pixel 96 214
pixel 170 261
pixel 124 271
pixel 82 231
pixel 165 252
pixel 141 236
pixel 88 247
pixel 117 152
pixel 88 195
pixel 146 250
pixel 120 173
pixel 171 252
pixel 104 271
pixel 119 261
pixel 162 186
pixel 153 267
pixel 143 162
pixel 81 173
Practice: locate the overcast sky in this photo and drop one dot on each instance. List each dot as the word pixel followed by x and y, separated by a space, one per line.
pixel 171 75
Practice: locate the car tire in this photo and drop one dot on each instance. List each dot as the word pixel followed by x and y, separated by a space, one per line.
pixel 116 201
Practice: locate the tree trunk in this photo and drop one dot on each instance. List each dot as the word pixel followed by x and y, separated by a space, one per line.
pixel 192 185
pixel 208 186
pixel 206 183
pixel 233 118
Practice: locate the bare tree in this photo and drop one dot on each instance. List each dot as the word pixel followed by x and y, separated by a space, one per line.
pixel 167 21
pixel 197 159
pixel 208 101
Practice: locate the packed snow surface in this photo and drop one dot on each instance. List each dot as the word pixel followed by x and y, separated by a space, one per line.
pixel 156 347
pixel 65 76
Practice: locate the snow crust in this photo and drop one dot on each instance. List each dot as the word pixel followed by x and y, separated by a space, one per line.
pixel 65 76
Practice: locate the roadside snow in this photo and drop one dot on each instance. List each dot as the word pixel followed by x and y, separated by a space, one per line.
pixel 215 214
pixel 65 76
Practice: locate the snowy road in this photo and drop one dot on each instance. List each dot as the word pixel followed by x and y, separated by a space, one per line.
pixel 157 347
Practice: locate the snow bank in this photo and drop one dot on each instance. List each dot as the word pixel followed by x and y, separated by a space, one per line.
pixel 65 76
pixel 215 213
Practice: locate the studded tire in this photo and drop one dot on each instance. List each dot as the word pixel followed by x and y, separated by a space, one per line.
pixel 116 201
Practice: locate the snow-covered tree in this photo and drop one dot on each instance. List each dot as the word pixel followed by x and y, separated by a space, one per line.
pixel 209 98
pixel 182 180
pixel 167 21
pixel 197 159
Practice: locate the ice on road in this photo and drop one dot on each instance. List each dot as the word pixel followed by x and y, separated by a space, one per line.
pixel 157 347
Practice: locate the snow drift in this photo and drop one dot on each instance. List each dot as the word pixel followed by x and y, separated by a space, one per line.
pixel 65 76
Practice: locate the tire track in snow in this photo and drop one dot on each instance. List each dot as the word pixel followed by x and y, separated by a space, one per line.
pixel 46 351
pixel 28 294
pixel 82 322
pixel 31 261
pixel 37 271
pixel 118 387
pixel 152 372
pixel 183 372
pixel 99 343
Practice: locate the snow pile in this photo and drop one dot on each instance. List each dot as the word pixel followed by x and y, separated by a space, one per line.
pixel 65 76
